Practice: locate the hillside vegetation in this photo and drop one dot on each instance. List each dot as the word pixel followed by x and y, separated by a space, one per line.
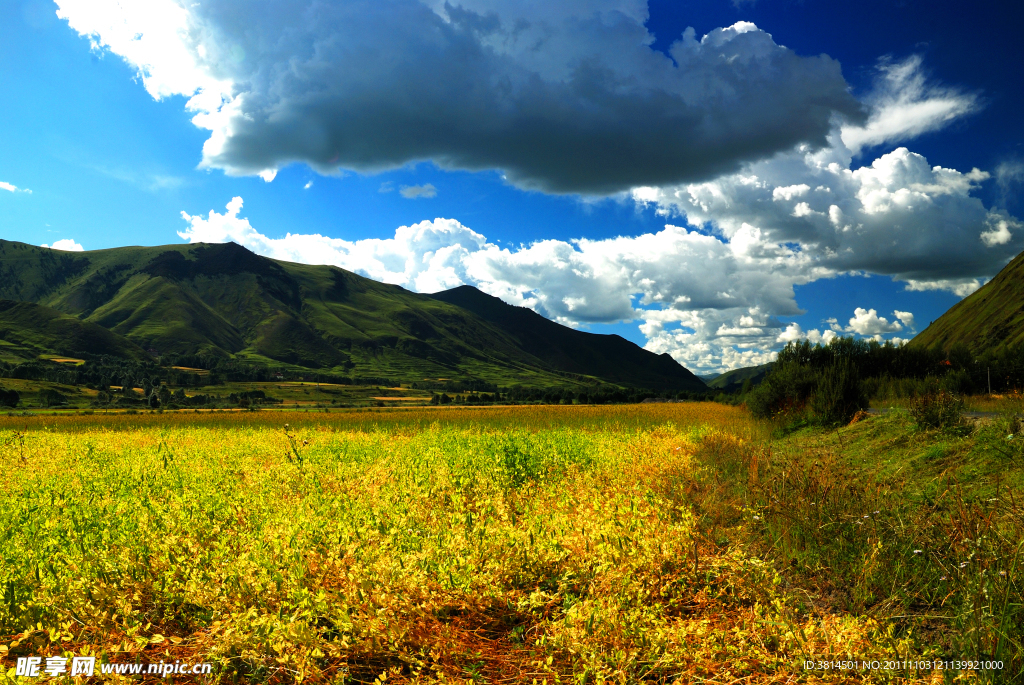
pixel 222 301
pixel 28 330
pixel 734 380
pixel 989 320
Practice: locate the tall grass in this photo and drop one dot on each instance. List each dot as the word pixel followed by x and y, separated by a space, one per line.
pixel 927 541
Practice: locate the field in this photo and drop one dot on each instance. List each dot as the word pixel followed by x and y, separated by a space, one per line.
pixel 632 543
pixel 286 395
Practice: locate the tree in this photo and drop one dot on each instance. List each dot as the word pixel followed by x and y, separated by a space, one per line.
pixel 839 394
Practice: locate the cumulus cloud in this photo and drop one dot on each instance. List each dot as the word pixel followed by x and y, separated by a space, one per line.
pixel 563 97
pixel 424 191
pixel 897 216
pixel 906 318
pixel 794 333
pixel 868 323
pixel 427 256
pixel 999 233
pixel 67 245
pixel 11 188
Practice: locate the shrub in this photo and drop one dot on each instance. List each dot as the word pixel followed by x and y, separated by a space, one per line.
pixel 784 390
pixel 957 382
pixel 9 398
pixel 51 398
pixel 839 394
pixel 938 410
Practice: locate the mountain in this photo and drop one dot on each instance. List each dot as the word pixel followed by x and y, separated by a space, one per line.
pixel 733 380
pixel 223 300
pixel 28 330
pixel 991 318
pixel 606 356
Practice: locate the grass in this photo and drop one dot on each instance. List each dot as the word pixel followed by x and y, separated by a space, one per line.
pixel 637 543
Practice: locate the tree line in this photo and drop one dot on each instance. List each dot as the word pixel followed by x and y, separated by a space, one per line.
pixel 834 381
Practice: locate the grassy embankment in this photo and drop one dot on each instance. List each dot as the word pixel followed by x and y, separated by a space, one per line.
pixel 586 544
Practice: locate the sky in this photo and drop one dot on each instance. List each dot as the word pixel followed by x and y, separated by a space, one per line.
pixel 710 179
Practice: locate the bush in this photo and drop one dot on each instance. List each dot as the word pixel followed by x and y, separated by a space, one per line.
pixel 784 390
pixel 938 410
pixel 51 398
pixel 839 394
pixel 9 398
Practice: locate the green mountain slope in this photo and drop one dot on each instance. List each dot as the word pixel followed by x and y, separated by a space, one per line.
pixel 992 318
pixel 223 300
pixel 733 380
pixel 607 356
pixel 28 330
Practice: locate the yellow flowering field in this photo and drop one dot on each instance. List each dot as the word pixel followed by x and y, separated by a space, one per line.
pixel 498 545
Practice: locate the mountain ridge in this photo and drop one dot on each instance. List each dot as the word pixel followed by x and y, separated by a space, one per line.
pixel 618 358
pixel 223 300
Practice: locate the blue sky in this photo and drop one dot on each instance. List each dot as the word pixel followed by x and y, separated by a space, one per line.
pixel 823 167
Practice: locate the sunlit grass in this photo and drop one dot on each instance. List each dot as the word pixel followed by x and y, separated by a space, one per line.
pixel 568 543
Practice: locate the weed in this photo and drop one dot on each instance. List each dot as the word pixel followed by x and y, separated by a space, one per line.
pixel 939 410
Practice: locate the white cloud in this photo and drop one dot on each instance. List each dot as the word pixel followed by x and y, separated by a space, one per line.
pixel 795 333
pixel 424 191
pixel 868 323
pixel 906 318
pixel 904 106
pixel 897 216
pixel 789 192
pixel 961 287
pixel 817 214
pixel 309 184
pixel 526 87
pixel 1000 231
pixel 13 188
pixel 67 245
pixel 426 257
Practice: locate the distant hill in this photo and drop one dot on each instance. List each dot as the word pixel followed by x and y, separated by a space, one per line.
pixel 606 356
pixel 28 330
pixel 223 300
pixel 992 318
pixel 733 380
